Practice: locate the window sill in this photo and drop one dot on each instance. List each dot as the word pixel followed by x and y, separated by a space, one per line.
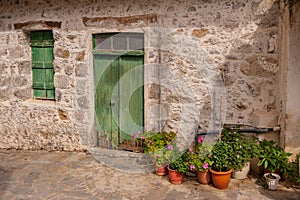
pixel 41 102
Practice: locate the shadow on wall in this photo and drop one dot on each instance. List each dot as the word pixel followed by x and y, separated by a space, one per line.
pixel 251 68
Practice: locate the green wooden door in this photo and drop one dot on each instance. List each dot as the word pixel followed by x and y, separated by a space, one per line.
pixel 119 94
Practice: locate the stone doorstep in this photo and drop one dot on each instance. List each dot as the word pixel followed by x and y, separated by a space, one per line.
pixel 115 153
pixel 123 160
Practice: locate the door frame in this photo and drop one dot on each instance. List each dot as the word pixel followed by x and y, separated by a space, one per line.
pixel 119 54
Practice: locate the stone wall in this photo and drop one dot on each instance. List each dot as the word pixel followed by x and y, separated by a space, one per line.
pixel 206 62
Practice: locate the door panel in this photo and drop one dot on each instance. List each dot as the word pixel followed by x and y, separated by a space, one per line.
pixel 104 72
pixel 131 96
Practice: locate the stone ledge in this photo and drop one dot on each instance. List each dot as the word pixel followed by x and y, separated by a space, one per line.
pixel 37 25
pixel 137 20
pixel 40 102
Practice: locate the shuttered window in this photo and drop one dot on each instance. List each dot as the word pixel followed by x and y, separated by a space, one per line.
pixel 42 64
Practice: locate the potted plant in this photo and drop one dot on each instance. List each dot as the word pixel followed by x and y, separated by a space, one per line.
pixel 245 149
pixel 274 159
pixel 179 164
pixel 201 160
pixel 222 167
pixel 155 144
pixel 272 180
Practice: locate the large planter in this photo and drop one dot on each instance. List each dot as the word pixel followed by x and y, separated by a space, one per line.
pixel 221 179
pixel 161 171
pixel 175 176
pixel 204 177
pixel 243 173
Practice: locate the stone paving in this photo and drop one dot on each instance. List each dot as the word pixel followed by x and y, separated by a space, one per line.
pixel 78 175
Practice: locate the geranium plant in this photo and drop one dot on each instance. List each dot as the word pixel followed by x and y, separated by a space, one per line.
pixel 201 158
pixel 178 159
pixel 155 144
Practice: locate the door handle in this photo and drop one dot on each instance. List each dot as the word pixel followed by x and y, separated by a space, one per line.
pixel 111 103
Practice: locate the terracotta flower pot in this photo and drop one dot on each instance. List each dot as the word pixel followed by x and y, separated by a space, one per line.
pixel 204 177
pixel 175 176
pixel 221 179
pixel 161 171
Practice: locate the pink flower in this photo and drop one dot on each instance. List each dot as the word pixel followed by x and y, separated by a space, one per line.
pixel 205 166
pixel 157 155
pixel 133 136
pixel 138 132
pixel 191 149
pixel 142 137
pixel 192 167
pixel 200 139
pixel 153 129
pixel 170 147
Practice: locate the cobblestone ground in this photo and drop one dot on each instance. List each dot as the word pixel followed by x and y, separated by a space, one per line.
pixel 75 175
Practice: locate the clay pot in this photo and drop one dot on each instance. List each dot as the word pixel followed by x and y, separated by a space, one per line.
pixel 175 176
pixel 221 179
pixel 161 171
pixel 204 177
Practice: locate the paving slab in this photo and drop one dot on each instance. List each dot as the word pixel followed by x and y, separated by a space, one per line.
pixel 79 175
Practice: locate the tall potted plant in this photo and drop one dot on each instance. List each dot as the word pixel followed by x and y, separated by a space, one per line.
pixel 245 149
pixel 222 167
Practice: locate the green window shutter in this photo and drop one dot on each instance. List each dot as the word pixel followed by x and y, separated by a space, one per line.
pixel 42 64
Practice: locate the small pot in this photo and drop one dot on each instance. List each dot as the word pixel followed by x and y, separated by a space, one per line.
pixel 175 176
pixel 161 171
pixel 204 177
pixel 221 179
pixel 272 180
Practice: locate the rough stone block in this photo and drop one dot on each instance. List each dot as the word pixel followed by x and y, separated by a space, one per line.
pixel 199 32
pixel 5 81
pixel 4 94
pixel 16 52
pixel 154 91
pixel 3 52
pixel 69 69
pixel 81 87
pixel 61 81
pixel 80 56
pixel 62 53
pixel 20 81
pixel 23 38
pixel 81 70
pixel 63 115
pixel 261 118
pixel 24 67
pixel 23 94
pixel 260 66
pixel 79 115
pixel 83 102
